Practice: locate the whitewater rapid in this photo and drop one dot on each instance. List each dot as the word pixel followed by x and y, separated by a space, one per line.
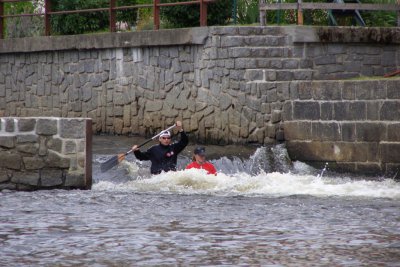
pixel 274 184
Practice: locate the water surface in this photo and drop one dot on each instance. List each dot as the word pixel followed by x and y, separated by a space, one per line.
pixel 259 210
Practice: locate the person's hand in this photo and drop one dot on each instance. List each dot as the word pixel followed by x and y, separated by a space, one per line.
pixel 179 125
pixel 135 148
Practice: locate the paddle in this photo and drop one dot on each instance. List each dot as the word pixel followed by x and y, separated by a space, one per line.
pixel 115 160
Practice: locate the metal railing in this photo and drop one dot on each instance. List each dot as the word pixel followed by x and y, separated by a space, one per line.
pixel 300 6
pixel 111 9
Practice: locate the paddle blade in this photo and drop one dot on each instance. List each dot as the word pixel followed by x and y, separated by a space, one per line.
pixel 111 162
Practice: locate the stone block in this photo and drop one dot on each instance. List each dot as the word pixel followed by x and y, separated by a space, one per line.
pixel 326 131
pixel 33 163
pixel 70 147
pixel 306 110
pixel 72 128
pixel 29 148
pixel 50 177
pixel 390 152
pixel 7 141
pixel 276 116
pixel 8 186
pixel 9 125
pixel 373 109
pixel 369 132
pixel 10 160
pixel 26 125
pixel 304 90
pixel 5 176
pixel 326 91
pixel 326 111
pixel 54 144
pixel 75 180
pixel 27 178
pixel 348 90
pixel 393 132
pixel 393 89
pixel 46 126
pixel 390 111
pixel 297 130
pixel 56 160
pixel 349 111
pixel 152 106
pixel 348 131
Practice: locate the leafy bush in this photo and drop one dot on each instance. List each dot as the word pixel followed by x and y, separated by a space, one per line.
pixel 218 13
pixel 87 22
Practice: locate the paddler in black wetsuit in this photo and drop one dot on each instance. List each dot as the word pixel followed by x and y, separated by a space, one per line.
pixel 163 156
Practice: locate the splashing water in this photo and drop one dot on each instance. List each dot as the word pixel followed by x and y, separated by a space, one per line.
pixel 262 174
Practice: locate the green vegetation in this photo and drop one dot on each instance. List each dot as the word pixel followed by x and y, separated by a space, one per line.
pixel 218 13
pixel 90 21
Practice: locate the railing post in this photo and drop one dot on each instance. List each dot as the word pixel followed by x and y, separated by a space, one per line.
pixel 203 13
pixel 1 20
pixel 47 10
pixel 112 14
pixel 263 14
pixel 300 19
pixel 156 14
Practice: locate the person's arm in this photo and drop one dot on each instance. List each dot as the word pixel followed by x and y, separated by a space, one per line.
pixel 213 169
pixel 183 142
pixel 139 154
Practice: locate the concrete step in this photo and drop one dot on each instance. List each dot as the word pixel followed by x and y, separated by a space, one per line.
pixel 271 75
pixel 246 31
pixel 255 40
pixel 272 63
pixel 276 51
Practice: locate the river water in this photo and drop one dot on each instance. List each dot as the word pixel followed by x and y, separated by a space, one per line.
pixel 260 210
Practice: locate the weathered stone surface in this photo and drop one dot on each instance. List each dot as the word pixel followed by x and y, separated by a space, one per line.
pixel 26 125
pixel 325 131
pixel 297 130
pixel 75 180
pixel 27 178
pixel 49 177
pixel 56 160
pixel 70 147
pixel 7 141
pixel 54 144
pixel 72 128
pixel 390 152
pixel 390 111
pixel 28 148
pixel 33 163
pixel 307 110
pixel 5 176
pixel 393 132
pixel 371 132
pixel 26 138
pixel 10 160
pixel 46 126
pixel 9 125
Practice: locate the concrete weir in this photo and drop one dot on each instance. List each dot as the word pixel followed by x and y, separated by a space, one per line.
pixel 45 153
pixel 320 89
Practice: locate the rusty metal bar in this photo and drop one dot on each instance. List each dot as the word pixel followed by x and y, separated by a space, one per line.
pixel 112 13
pixel 330 6
pixel 47 9
pixel 203 13
pixel 300 19
pixel 88 154
pixel 79 11
pixel 133 7
pixel 156 14
pixel 1 20
pixel 180 3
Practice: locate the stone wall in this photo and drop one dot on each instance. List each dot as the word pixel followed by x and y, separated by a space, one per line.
pixel 353 124
pixel 227 84
pixel 40 153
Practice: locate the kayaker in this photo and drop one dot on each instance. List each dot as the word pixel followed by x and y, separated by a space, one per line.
pixel 163 156
pixel 200 162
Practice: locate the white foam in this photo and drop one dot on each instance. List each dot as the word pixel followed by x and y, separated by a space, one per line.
pixel 269 184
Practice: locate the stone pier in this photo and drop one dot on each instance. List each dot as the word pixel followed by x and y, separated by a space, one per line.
pixel 45 153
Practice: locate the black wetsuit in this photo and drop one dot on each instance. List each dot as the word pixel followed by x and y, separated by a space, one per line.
pixel 163 158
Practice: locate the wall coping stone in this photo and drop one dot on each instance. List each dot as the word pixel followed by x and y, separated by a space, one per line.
pixel 379 35
pixel 196 36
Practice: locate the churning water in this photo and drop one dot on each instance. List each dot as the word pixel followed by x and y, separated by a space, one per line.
pixel 261 209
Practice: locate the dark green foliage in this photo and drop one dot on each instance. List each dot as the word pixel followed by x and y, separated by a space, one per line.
pixel 218 13
pixel 247 11
pixel 87 22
